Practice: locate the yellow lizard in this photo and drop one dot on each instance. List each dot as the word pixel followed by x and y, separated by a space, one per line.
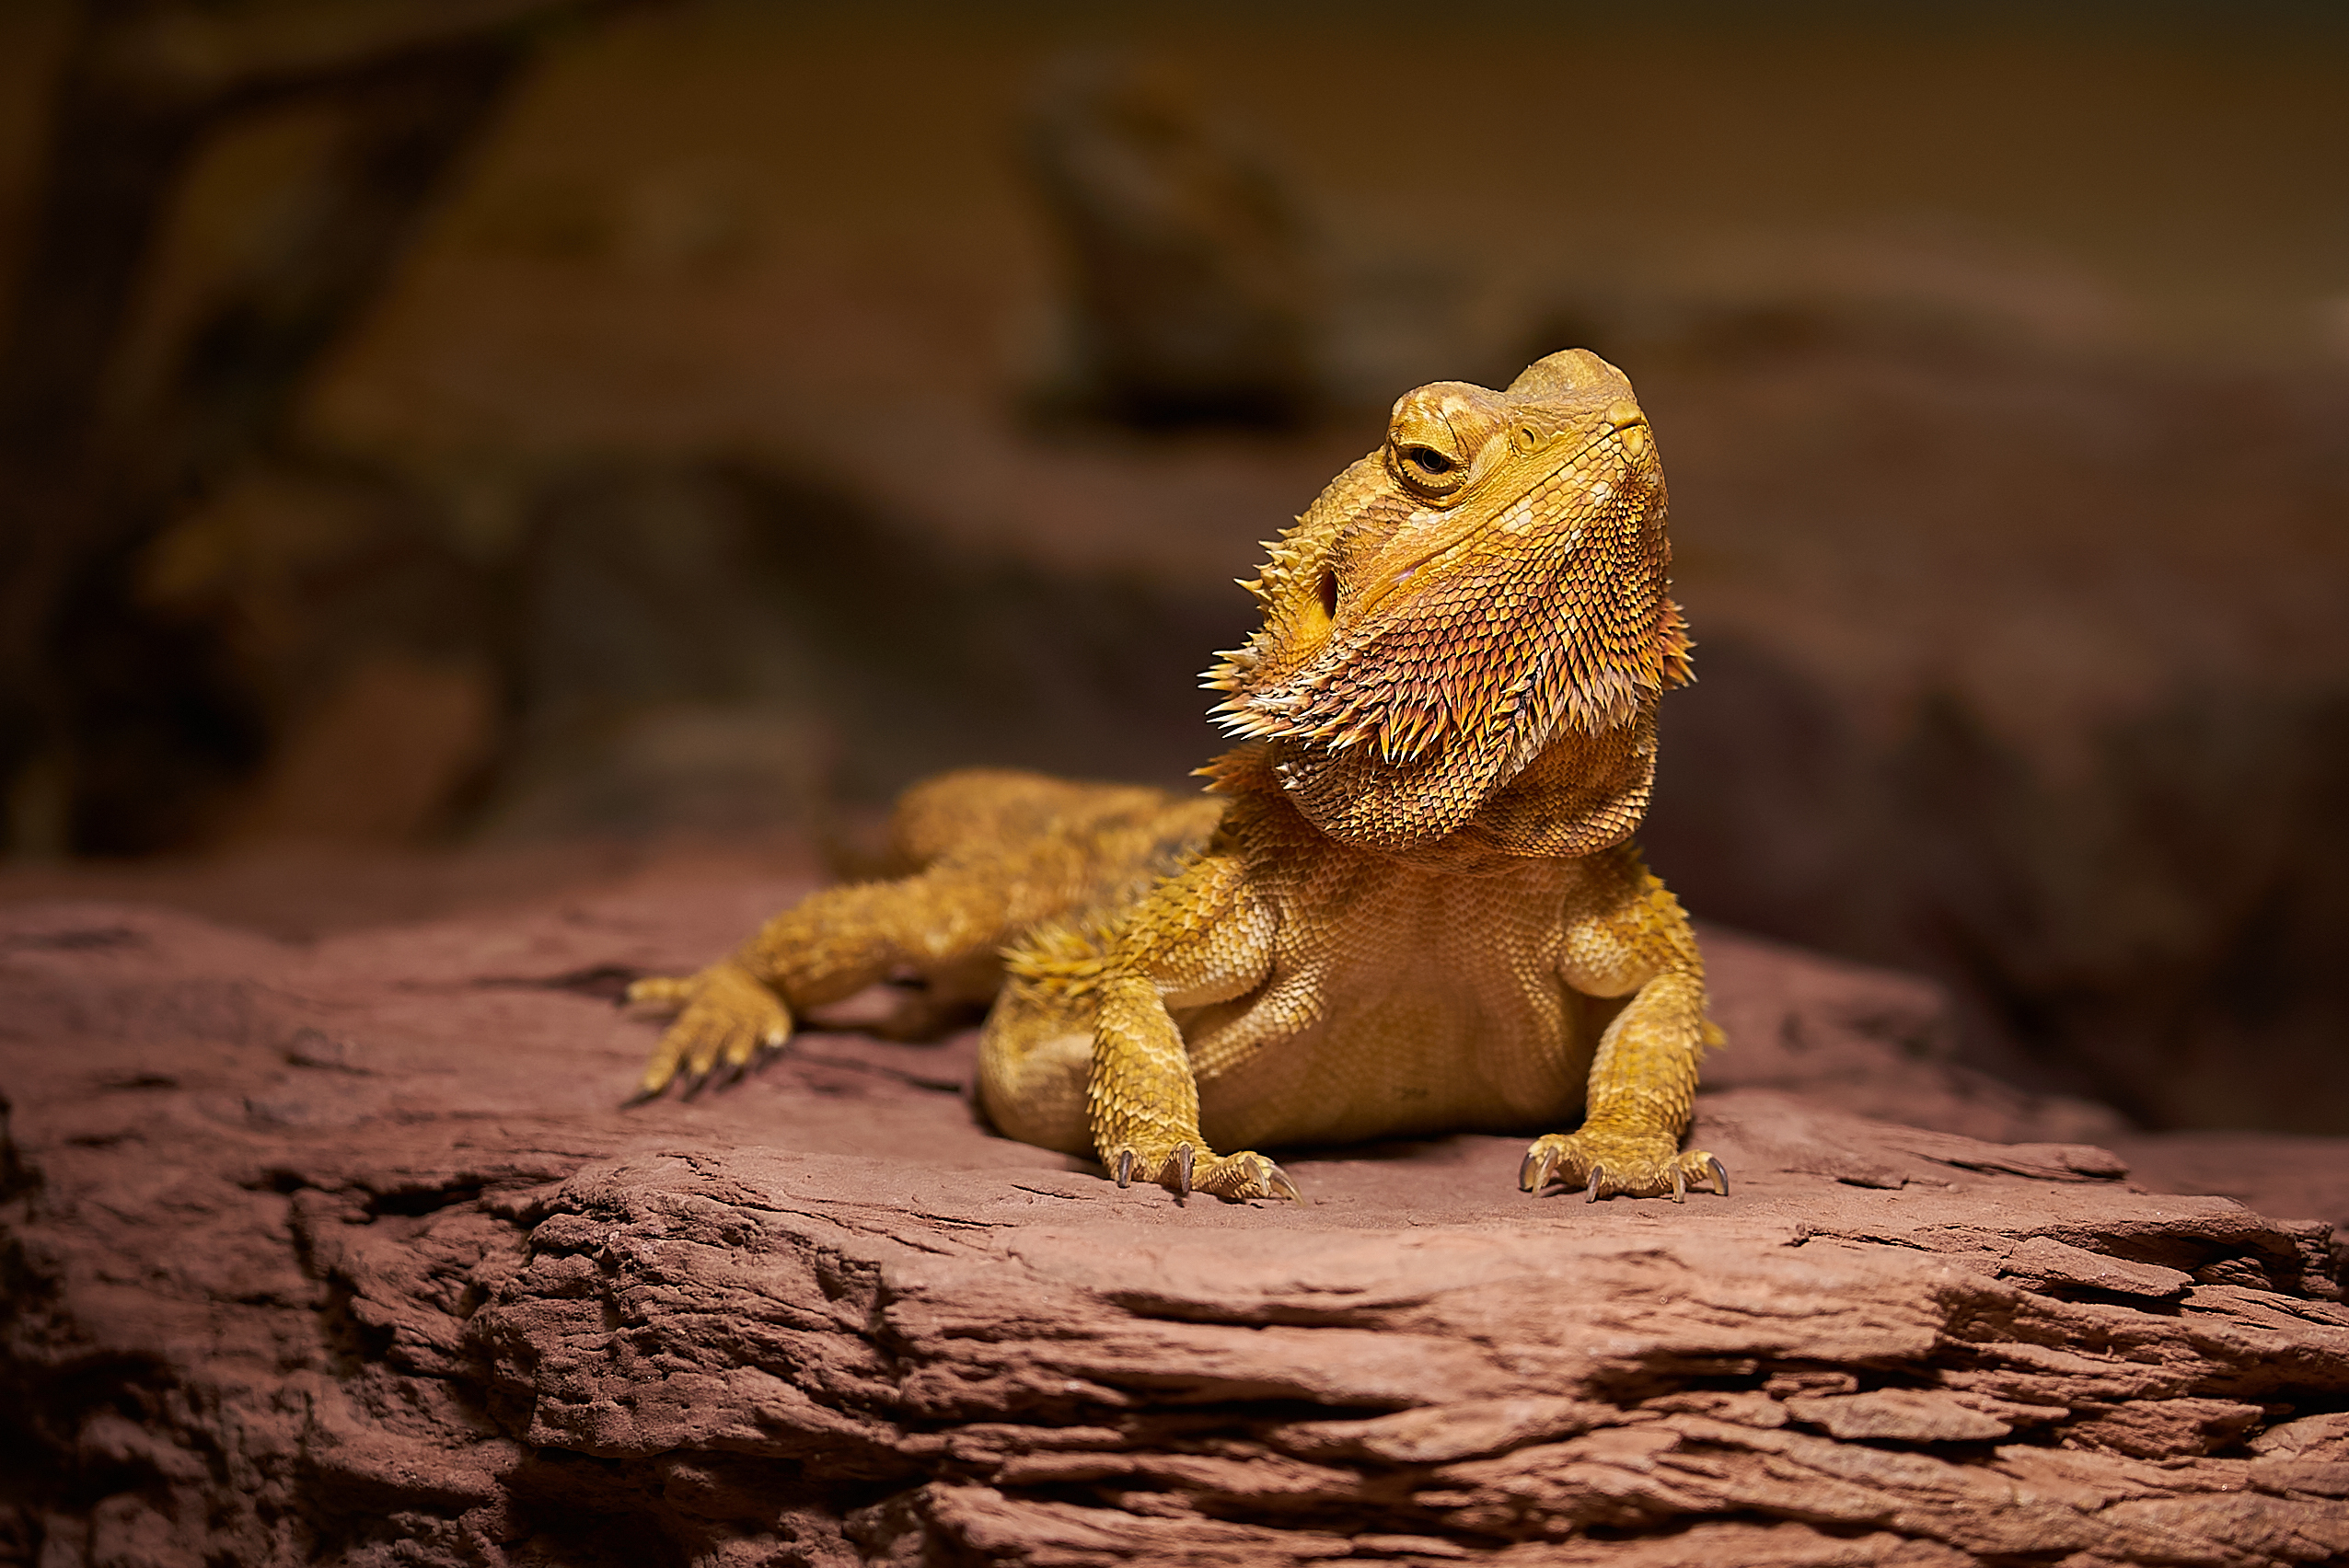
pixel 1408 903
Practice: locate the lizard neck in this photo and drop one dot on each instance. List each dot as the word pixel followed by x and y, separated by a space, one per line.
pixel 1580 794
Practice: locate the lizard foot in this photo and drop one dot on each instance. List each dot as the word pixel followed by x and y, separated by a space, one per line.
pixel 1186 1169
pixel 1606 1163
pixel 725 1017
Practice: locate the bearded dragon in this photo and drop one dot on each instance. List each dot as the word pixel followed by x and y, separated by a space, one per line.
pixel 1407 902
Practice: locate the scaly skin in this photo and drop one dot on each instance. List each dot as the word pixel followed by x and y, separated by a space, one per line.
pixel 1409 903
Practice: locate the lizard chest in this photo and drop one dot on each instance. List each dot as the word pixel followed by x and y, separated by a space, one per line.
pixel 1398 1001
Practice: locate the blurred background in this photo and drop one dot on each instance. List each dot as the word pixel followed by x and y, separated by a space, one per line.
pixel 450 447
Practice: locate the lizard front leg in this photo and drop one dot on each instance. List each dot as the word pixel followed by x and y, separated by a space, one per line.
pixel 1199 938
pixel 1627 935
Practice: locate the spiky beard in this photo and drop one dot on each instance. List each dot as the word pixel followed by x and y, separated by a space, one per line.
pixel 1551 620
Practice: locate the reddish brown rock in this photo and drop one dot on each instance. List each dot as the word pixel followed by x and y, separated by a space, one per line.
pixel 345 1252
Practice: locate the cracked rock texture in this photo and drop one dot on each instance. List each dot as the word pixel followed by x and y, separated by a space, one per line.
pixel 345 1252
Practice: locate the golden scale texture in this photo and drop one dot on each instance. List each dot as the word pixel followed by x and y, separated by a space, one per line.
pixel 1409 903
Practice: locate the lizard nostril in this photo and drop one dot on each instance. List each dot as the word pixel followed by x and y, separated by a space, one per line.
pixel 1623 414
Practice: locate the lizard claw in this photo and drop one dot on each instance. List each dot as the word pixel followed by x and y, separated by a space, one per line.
pixel 1720 1175
pixel 1680 1186
pixel 1125 1167
pixel 1598 1179
pixel 1184 1158
pixel 1282 1187
pixel 1539 1165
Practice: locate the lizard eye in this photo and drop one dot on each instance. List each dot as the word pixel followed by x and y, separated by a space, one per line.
pixel 1427 470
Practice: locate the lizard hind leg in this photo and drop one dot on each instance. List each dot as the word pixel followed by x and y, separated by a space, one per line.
pixel 1035 1055
pixel 998 853
pixel 825 948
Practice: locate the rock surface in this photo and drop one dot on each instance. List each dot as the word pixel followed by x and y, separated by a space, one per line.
pixel 345 1252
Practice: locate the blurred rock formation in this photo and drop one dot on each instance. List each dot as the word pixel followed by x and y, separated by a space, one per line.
pixel 120 410
pixel 1194 297
pixel 718 646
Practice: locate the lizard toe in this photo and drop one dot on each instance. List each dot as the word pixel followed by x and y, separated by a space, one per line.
pixel 727 1020
pixel 1248 1174
pixel 658 993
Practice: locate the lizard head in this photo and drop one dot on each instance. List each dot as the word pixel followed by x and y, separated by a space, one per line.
pixel 1472 623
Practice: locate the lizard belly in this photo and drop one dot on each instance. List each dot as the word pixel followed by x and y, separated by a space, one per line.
pixel 1433 1007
